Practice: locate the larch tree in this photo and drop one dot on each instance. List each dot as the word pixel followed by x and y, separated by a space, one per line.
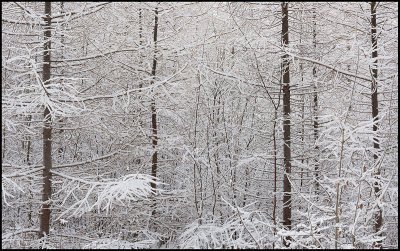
pixel 375 110
pixel 47 128
pixel 154 160
pixel 287 196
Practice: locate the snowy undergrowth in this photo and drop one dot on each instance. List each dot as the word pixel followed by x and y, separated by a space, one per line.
pixel 253 229
pixel 107 243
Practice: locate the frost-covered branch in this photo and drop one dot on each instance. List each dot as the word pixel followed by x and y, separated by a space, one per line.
pixel 103 195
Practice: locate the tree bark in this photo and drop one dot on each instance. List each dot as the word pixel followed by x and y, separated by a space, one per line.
pixel 287 208
pixel 375 111
pixel 47 160
pixel 153 106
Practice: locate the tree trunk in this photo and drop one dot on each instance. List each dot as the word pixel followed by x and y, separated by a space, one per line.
pixel 141 41
pixel 153 108
pixel 316 125
pixel 374 99
pixel 287 209
pixel 275 174
pixel 60 149
pixel 47 161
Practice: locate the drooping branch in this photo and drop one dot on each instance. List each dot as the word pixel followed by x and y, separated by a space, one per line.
pixel 329 67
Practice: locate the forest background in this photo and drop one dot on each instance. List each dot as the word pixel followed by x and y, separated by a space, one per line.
pixel 199 125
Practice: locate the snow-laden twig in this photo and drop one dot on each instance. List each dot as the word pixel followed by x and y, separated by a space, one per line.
pixel 241 221
pixel 330 67
pixel 103 195
pixel 107 243
pixel 6 236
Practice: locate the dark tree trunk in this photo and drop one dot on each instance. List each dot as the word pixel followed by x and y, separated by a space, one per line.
pixel 47 161
pixel 29 143
pixel 316 125
pixel 374 99
pixel 153 106
pixel 287 208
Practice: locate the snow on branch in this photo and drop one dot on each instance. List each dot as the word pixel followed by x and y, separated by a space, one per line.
pixel 8 239
pixel 330 67
pixel 34 168
pixel 6 185
pixel 12 21
pixel 106 243
pixel 86 195
pixel 27 96
pixel 123 93
pixel 83 12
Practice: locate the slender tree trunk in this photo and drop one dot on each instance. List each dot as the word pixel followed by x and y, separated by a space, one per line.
pixel 29 143
pixel 195 166
pixel 28 162
pixel 47 161
pixel 60 149
pixel 275 174
pixel 3 147
pixel 338 192
pixel 316 125
pixel 375 111
pixel 287 207
pixel 302 130
pixel 141 63
pixel 153 107
pixel 302 114
pixel 141 40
